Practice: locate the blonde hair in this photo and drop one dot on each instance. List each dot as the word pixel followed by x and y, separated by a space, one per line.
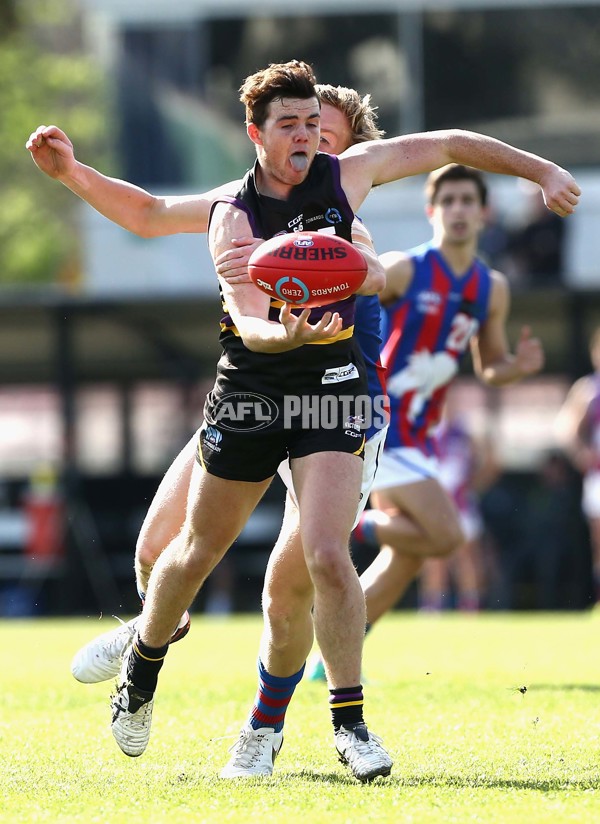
pixel 361 115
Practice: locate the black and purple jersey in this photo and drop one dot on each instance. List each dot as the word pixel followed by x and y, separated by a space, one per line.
pixel 319 204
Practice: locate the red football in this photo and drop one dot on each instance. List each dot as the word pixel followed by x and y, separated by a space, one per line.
pixel 307 268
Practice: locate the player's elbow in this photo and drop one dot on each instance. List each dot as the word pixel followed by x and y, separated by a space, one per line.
pixel 253 345
pixel 374 282
pixel 144 232
pixel 146 219
pixel 256 343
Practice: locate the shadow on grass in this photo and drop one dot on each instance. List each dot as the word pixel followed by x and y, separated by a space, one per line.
pixel 397 781
pixel 451 781
pixel 545 785
pixel 334 778
pixel 565 687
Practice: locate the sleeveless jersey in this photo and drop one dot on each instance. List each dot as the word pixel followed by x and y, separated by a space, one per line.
pixel 334 366
pixel 426 334
pixel 319 204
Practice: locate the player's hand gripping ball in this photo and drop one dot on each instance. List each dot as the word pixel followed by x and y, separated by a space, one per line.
pixel 307 268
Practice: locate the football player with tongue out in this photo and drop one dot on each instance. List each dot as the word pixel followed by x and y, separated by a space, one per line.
pixel 272 348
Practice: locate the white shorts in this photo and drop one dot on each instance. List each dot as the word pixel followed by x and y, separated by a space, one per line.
pixel 472 524
pixel 372 458
pixel 590 500
pixel 405 465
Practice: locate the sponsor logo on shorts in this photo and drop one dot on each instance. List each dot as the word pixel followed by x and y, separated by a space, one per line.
pixel 340 373
pixel 244 412
pixel 354 425
pixel 212 438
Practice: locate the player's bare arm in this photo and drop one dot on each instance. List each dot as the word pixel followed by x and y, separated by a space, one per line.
pixel 569 425
pixel 127 205
pixel 399 270
pixel 493 362
pixel 383 161
pixel 249 307
pixel 375 279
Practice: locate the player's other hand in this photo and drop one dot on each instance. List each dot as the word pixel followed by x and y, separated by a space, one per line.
pixel 300 331
pixel 529 354
pixel 232 265
pixel 52 151
pixel 560 190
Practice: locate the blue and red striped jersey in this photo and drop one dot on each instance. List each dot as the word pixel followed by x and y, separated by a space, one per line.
pixel 426 333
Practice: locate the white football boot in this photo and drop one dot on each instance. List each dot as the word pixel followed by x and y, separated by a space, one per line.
pixel 131 715
pixel 101 659
pixel 254 753
pixel 362 752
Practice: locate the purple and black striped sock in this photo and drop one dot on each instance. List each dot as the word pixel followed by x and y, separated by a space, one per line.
pixel 346 705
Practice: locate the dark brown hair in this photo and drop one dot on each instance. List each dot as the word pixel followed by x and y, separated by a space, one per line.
pixel 455 171
pixel 278 81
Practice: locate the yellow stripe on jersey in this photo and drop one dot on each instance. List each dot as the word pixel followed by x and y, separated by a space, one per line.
pixel 361 448
pixel 343 335
pixel 225 328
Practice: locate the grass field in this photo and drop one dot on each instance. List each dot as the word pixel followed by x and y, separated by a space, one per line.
pixel 445 693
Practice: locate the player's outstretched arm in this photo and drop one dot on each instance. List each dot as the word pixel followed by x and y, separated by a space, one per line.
pixel 382 161
pixel 375 279
pixel 129 206
pixel 493 362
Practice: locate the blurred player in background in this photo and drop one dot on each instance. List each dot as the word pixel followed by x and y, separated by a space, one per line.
pixel 466 468
pixel 439 300
pixel 578 432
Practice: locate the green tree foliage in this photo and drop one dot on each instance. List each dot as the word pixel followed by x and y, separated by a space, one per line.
pixel 45 77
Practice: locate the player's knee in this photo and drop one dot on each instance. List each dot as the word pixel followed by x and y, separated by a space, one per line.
pixel 328 564
pixel 277 615
pixel 448 540
pixel 280 605
pixel 147 552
